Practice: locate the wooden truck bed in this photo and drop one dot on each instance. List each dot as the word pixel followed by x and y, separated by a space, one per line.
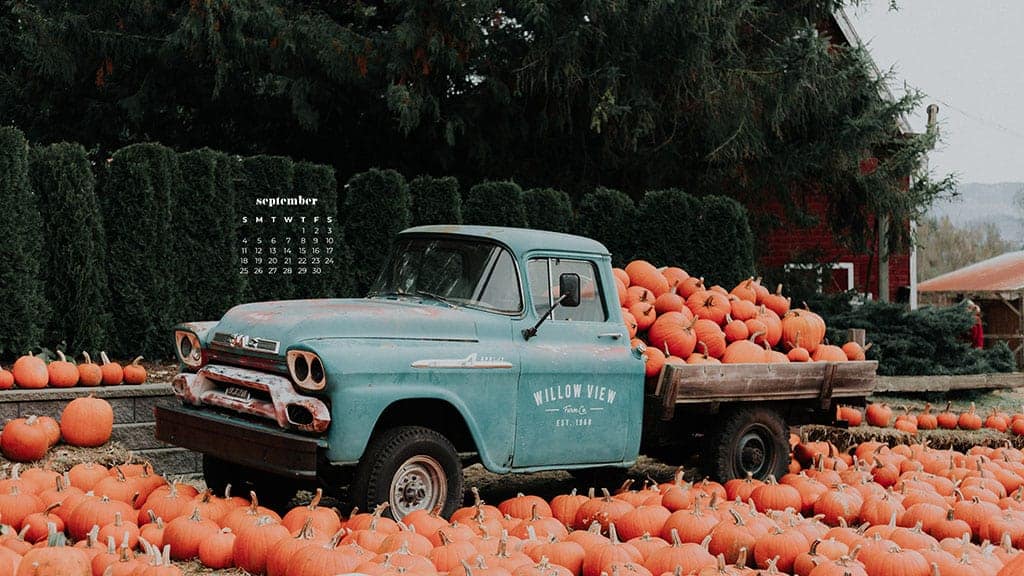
pixel 702 383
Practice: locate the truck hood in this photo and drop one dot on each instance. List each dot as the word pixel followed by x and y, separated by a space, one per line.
pixel 292 321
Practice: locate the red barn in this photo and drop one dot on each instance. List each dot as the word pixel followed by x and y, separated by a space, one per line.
pixel 882 276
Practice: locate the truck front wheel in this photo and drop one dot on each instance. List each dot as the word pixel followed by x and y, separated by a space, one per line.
pixel 410 468
pixel 748 440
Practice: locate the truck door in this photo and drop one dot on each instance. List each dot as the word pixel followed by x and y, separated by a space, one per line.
pixel 580 387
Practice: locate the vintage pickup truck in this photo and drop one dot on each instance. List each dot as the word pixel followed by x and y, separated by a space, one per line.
pixel 477 344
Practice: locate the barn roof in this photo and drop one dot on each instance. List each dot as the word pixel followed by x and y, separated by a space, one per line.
pixel 1003 273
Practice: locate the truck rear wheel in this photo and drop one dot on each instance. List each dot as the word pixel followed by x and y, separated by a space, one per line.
pixel 274 492
pixel 410 468
pixel 748 441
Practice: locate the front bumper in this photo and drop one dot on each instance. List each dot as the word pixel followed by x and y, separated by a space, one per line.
pixel 255 393
pixel 243 442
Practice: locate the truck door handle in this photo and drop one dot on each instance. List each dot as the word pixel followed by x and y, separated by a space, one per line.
pixel 612 335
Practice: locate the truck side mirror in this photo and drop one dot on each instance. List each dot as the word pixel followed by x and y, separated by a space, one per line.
pixel 569 296
pixel 569 289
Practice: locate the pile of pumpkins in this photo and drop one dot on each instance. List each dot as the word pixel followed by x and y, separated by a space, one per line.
pixel 31 371
pixel 85 422
pixel 881 415
pixel 676 319
pixel 875 511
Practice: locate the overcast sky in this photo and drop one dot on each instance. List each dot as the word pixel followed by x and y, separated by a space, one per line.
pixel 968 57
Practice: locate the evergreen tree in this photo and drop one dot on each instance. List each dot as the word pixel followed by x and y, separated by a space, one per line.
pixel 927 341
pixel 610 217
pixel 378 207
pixel 75 277
pixel 435 200
pixel 724 243
pixel 23 307
pixel 143 266
pixel 548 209
pixel 637 96
pixel 205 232
pixel 495 204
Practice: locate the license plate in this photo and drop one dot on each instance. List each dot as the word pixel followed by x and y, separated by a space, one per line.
pixel 238 393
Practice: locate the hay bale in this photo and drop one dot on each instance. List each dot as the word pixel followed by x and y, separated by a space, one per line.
pixel 960 440
pixel 62 457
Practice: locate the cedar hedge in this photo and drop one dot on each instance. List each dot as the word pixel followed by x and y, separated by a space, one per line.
pixel 695 232
pixel 23 307
pixel 378 206
pixel 549 209
pixel 724 242
pixel 206 223
pixel 144 269
pixel 435 200
pixel 495 204
pixel 75 277
pixel 610 217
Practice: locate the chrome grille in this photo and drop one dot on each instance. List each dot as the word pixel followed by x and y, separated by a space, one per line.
pixel 245 342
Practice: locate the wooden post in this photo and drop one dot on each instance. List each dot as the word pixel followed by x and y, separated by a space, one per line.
pixel 857 335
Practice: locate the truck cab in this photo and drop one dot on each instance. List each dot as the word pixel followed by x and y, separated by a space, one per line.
pixel 499 345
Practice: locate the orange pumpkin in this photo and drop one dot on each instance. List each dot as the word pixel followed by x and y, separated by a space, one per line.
pixel 62 374
pixel 51 427
pixel 643 273
pixel 654 360
pixel 673 331
pixel 135 373
pixel 6 380
pixel 674 275
pixel 113 374
pixel 621 275
pixel 24 440
pixel 828 353
pixel 745 291
pixel 745 351
pixel 89 374
pixel 30 372
pixel 87 422
pixel 855 352
pixel 776 302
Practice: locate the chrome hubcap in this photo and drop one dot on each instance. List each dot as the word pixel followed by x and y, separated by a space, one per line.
pixel 419 483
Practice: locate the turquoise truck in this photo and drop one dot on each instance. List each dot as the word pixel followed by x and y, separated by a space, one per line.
pixel 501 346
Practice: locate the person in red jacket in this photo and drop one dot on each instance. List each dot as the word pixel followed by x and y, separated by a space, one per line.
pixel 977 330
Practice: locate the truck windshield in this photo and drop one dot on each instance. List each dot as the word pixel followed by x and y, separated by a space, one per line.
pixel 455 271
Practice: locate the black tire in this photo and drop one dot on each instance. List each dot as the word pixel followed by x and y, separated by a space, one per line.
pixel 410 468
pixel 748 440
pixel 274 492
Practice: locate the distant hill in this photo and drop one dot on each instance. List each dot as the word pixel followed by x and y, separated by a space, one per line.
pixel 978 203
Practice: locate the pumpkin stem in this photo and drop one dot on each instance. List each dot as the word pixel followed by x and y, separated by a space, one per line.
pixel 88 359
pixel 136 361
pixel 316 499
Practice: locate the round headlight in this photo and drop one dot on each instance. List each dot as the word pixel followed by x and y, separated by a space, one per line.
pixel 301 368
pixel 189 349
pixel 185 347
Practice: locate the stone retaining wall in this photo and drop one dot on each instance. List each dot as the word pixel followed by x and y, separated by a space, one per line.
pixel 134 426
